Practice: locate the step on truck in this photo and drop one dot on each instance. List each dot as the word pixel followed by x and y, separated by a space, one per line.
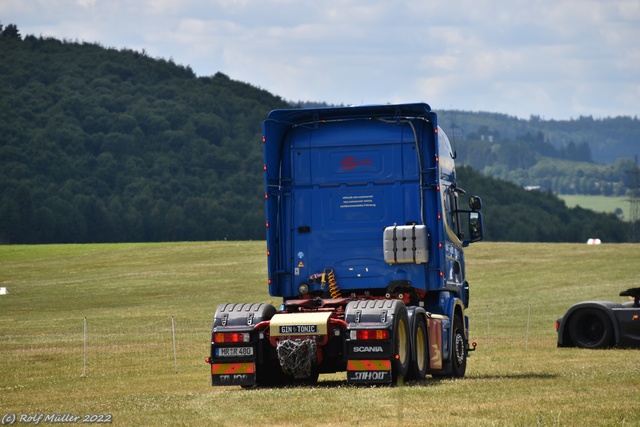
pixel 365 238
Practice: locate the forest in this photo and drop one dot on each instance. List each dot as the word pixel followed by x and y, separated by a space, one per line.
pixel 110 145
pixel 581 156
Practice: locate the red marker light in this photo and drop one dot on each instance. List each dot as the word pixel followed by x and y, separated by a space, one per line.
pixel 230 337
pixel 372 334
pixel 264 139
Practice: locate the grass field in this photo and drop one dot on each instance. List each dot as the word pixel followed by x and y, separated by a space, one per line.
pixel 598 203
pixel 129 293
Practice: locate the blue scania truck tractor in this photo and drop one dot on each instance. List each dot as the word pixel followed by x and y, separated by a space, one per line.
pixel 365 237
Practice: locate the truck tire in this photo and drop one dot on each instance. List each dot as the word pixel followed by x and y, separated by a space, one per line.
pixel 401 344
pixel 419 363
pixel 458 349
pixel 591 328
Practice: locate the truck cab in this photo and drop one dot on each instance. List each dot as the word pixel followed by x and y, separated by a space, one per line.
pixel 364 232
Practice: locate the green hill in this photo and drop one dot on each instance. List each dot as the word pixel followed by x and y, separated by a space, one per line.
pixel 514 214
pixel 584 156
pixel 101 145
pixel 106 145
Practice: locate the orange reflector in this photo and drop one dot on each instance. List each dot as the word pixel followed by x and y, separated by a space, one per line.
pixel 368 365
pixel 635 317
pixel 232 368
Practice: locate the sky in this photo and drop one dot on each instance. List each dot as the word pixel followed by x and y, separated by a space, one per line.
pixel 555 59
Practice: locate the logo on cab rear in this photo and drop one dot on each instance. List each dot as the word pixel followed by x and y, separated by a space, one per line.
pixel 350 162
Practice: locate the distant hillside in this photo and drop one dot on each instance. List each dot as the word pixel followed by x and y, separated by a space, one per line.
pixel 514 214
pixel 607 139
pixel 106 145
pixel 583 156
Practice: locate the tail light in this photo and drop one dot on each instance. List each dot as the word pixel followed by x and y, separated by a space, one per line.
pixel 229 337
pixel 370 334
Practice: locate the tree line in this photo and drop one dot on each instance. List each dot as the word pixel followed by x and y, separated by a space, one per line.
pixel 515 214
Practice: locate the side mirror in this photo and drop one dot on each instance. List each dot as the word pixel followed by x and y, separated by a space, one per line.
pixel 475 203
pixel 476 229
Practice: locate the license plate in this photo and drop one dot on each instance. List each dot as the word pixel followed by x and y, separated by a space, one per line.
pixel 298 329
pixel 234 351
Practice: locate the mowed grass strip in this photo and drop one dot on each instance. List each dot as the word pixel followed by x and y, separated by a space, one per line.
pixel 129 293
pixel 607 204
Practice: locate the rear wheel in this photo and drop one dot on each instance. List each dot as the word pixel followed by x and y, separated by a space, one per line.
pixel 459 354
pixel 402 345
pixel 591 328
pixel 419 352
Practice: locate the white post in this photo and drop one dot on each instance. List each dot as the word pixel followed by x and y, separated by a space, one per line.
pixel 173 334
pixel 488 331
pixel 526 340
pixel 84 364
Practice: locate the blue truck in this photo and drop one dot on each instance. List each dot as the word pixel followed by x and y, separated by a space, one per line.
pixel 365 236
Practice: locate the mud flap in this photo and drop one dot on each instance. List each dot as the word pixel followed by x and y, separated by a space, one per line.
pixel 237 373
pixel 369 371
pixel 372 360
pixel 434 325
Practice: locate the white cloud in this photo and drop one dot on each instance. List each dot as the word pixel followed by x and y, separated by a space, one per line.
pixel 555 58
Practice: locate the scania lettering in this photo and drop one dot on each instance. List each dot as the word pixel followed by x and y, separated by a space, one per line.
pixel 365 231
pixel 363 349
